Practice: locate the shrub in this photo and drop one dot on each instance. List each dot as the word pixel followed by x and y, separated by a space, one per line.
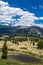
pixel 11 49
pixel 33 43
pixel 21 39
pixel 34 39
pixel 16 42
pixel 40 44
pixel 4 51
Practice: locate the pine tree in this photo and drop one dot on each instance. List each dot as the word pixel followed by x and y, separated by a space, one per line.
pixel 4 51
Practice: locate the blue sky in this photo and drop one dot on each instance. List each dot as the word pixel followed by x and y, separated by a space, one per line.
pixel 33 6
pixel 32 11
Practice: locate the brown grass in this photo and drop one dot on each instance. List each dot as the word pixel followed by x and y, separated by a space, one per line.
pixel 25 44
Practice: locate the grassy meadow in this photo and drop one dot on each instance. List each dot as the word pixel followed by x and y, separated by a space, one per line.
pixel 18 46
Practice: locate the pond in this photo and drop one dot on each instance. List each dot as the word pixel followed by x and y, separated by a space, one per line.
pixel 24 58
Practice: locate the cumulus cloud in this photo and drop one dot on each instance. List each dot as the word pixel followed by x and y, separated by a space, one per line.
pixel 39 25
pixel 16 16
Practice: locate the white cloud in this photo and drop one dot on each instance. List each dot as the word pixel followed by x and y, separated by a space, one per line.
pixel 39 25
pixel 7 13
pixel 41 18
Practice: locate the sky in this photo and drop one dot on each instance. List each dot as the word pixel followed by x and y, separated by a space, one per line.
pixel 21 12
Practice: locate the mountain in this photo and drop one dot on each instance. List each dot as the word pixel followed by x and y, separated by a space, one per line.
pixel 24 30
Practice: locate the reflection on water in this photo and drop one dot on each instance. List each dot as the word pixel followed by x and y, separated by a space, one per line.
pixel 24 58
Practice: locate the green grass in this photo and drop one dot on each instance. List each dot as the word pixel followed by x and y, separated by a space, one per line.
pixel 15 62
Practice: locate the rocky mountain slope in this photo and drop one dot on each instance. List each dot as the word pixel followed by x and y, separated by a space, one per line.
pixel 34 31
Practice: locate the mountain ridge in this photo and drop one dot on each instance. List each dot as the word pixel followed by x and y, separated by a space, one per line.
pixel 33 30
